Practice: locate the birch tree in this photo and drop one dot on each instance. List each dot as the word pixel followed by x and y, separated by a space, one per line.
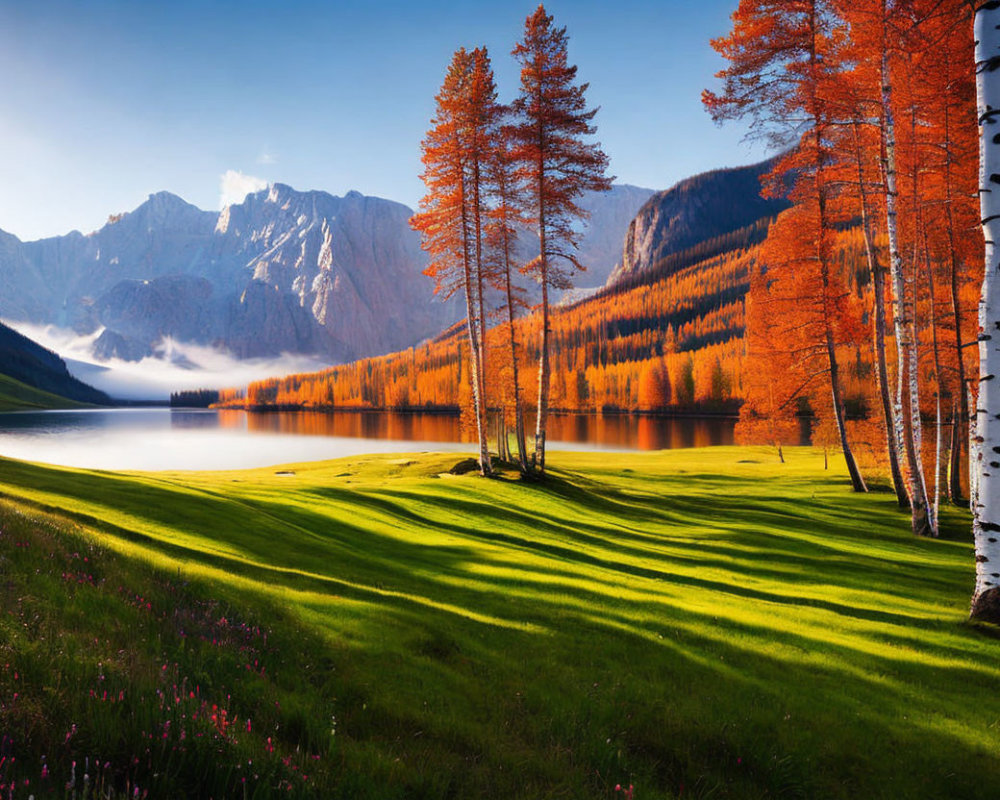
pixel 909 428
pixel 986 517
pixel 876 269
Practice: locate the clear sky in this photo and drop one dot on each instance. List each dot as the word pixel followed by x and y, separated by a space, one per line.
pixel 106 101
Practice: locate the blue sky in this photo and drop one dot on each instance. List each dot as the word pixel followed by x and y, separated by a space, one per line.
pixel 106 101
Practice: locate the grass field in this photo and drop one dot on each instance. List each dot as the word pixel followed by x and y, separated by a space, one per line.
pixel 701 623
pixel 17 396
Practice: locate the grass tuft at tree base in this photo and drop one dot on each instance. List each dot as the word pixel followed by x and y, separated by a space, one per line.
pixel 701 623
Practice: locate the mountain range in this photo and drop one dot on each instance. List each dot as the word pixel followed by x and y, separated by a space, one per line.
pixel 287 271
pixel 282 272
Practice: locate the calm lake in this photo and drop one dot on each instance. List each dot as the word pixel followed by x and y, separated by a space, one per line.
pixel 163 438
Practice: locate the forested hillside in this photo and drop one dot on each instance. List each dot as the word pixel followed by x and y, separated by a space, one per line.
pixel 676 342
pixel 31 364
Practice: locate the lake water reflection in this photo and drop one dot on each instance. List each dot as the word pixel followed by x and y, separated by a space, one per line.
pixel 160 438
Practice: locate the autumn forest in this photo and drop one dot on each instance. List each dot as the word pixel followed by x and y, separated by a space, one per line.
pixel 854 308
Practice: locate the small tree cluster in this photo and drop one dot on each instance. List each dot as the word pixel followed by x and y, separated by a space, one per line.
pixel 491 169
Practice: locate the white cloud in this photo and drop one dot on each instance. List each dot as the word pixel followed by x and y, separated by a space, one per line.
pixel 234 186
pixel 267 158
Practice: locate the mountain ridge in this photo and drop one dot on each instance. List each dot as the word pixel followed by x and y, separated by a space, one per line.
pixel 694 210
pixel 284 270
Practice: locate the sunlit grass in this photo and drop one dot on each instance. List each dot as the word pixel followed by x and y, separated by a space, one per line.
pixel 705 623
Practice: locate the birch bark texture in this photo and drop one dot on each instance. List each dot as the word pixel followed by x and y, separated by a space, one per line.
pixel 986 513
pixel 907 418
pixel 877 272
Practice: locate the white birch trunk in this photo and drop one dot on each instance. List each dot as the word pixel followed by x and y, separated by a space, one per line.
pixel 986 516
pixel 906 356
pixel 937 466
pixel 878 283
pixel 932 309
pixel 975 456
pixel 475 357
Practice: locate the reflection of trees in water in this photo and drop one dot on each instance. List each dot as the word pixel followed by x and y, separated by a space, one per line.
pixel 202 420
pixel 641 432
pixel 619 430
pixel 356 425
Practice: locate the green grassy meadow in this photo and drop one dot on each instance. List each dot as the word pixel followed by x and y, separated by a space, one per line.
pixel 697 624
pixel 17 396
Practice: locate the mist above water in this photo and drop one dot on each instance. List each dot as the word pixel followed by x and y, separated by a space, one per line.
pixel 174 367
pixel 174 439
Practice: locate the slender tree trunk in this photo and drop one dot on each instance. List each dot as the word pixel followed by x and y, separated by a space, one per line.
pixel 960 419
pixel 857 481
pixel 920 235
pixel 953 433
pixel 877 272
pixel 772 415
pixel 543 380
pixel 986 517
pixel 937 379
pixel 503 452
pixel 475 359
pixel 543 358
pixel 909 432
pixel 485 465
pixel 480 269
pixel 954 452
pixel 522 451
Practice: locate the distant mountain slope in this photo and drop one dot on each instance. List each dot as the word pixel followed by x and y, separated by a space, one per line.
pixel 693 211
pixel 28 363
pixel 600 239
pixel 17 396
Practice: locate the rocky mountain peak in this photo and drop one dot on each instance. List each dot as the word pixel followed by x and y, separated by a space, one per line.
pixel 283 271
